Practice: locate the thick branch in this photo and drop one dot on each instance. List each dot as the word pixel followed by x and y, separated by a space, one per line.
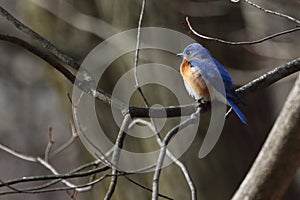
pixel 279 158
pixel 270 77
pixel 38 52
pixel 45 43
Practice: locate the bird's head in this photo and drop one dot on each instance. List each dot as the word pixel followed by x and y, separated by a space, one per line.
pixel 194 50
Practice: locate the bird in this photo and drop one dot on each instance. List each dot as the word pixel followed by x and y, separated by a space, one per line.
pixel 205 78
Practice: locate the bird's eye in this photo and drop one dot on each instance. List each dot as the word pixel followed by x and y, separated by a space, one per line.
pixel 188 53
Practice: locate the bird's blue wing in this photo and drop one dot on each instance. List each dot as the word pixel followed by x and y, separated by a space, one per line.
pixel 211 70
pixel 225 75
pixel 237 111
pixel 230 91
pixel 209 73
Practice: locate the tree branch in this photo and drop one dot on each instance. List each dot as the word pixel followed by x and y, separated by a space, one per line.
pixel 279 158
pixel 116 155
pixel 38 52
pixel 163 150
pixel 45 43
pixel 270 77
pixel 273 12
pixel 55 177
pixel 242 42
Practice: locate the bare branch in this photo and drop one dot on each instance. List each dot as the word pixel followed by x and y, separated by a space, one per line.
pixel 45 43
pixel 270 77
pixel 171 156
pixel 50 144
pixel 163 149
pixel 54 177
pixel 146 188
pixel 239 43
pixel 67 183
pixel 116 155
pixel 70 141
pixel 68 60
pixel 137 50
pixel 186 174
pixel 279 158
pixel 36 51
pixel 55 189
pixel 103 158
pixel 16 154
pixel 273 12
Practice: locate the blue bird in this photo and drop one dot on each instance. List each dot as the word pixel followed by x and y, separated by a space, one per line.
pixel 205 78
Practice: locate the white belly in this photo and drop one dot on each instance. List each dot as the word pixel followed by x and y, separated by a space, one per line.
pixel 192 92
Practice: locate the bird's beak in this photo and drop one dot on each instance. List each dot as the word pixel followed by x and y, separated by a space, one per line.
pixel 180 54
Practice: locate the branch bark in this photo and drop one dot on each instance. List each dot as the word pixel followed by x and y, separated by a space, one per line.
pixel 279 158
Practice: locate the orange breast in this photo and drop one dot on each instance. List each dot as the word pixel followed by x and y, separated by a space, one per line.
pixel 194 79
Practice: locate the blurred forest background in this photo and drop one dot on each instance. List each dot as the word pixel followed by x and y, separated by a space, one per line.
pixel 33 95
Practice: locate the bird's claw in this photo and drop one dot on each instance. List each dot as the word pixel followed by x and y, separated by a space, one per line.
pixel 203 103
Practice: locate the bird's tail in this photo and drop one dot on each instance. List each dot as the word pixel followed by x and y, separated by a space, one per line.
pixel 237 111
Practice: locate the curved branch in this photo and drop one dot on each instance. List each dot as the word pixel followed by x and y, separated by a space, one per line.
pixel 34 35
pixel 239 43
pixel 38 52
pixel 273 12
pixel 116 156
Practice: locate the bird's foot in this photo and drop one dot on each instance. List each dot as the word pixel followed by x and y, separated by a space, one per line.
pixel 203 103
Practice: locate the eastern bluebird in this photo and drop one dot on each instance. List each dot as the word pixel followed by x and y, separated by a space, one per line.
pixel 199 69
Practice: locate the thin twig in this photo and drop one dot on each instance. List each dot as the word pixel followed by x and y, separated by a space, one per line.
pixel 58 189
pixel 67 183
pixel 16 154
pixel 138 42
pixel 58 178
pixel 50 144
pixel 163 149
pixel 172 157
pixel 243 42
pixel 137 52
pixel 116 155
pixel 70 141
pixel 273 12
pixel 186 175
pixel 80 131
pixel 54 177
pixel 146 188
